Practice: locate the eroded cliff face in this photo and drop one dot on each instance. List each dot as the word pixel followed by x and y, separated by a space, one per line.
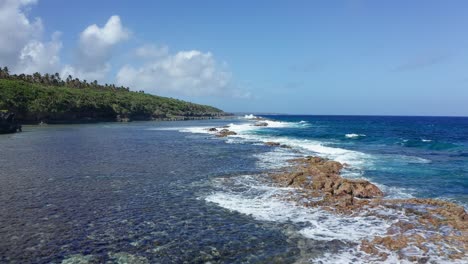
pixel 417 227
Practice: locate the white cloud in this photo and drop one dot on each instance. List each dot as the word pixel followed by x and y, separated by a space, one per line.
pixel 95 50
pixel 24 50
pixel 98 74
pixel 96 43
pixel 184 73
pixel 21 47
pixel 37 56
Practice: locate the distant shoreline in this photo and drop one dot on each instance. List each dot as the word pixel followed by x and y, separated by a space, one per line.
pixel 124 120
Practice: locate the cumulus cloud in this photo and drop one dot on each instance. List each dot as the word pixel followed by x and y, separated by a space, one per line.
pixel 96 43
pixel 21 45
pixel 95 50
pixel 38 56
pixel 192 73
pixel 183 73
pixel 23 49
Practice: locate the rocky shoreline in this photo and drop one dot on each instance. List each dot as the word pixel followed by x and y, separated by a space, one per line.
pixel 417 230
pixel 425 226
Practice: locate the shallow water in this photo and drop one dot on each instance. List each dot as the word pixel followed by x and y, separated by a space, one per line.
pixel 165 192
pixel 110 188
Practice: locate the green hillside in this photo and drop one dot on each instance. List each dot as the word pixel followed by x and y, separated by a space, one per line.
pixel 52 100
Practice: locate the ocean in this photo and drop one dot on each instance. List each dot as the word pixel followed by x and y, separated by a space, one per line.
pixel 173 192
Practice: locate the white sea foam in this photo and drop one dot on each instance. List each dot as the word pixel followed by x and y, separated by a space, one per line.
pixel 249 195
pixel 350 157
pixel 354 135
pixel 196 129
pixel 250 116
pixel 262 203
pixel 414 159
pixel 247 133
pixel 354 255
pixel 401 159
pixel 426 140
pixel 276 159
pixel 395 192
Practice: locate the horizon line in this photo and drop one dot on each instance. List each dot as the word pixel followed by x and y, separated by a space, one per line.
pixel 376 115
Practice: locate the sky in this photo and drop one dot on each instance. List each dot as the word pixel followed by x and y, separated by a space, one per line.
pixel 350 57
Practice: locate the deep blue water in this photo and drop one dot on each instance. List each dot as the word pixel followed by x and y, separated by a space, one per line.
pixel 170 192
pixel 421 156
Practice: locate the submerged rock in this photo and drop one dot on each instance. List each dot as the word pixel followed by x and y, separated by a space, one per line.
pixel 225 132
pixel 79 259
pixel 275 144
pixel 261 124
pixel 126 258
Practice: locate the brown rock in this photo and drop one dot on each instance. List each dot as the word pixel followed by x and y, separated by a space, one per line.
pixel 395 243
pixel 261 124
pixel 225 132
pixel 358 188
pixel 429 223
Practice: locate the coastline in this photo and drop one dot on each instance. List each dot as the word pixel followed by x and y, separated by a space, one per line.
pixel 123 119
pixel 126 173
pixel 417 229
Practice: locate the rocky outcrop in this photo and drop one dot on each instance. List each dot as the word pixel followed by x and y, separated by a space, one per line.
pixel 261 124
pixel 321 177
pixel 213 129
pixel 122 119
pixel 276 144
pixel 426 225
pixel 225 132
pixel 8 123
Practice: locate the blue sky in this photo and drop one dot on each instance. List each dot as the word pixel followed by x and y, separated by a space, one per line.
pixel 299 57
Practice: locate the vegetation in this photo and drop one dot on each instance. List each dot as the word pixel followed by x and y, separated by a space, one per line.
pixel 46 98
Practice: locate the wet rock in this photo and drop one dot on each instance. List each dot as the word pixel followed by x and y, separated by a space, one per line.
pixel 428 226
pixel 323 175
pixel 261 124
pixel 392 243
pixel 213 129
pixel 8 123
pixel 225 132
pixel 276 144
pixel 357 188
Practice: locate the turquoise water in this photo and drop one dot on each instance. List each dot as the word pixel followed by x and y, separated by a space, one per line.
pixel 417 156
pixel 172 192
